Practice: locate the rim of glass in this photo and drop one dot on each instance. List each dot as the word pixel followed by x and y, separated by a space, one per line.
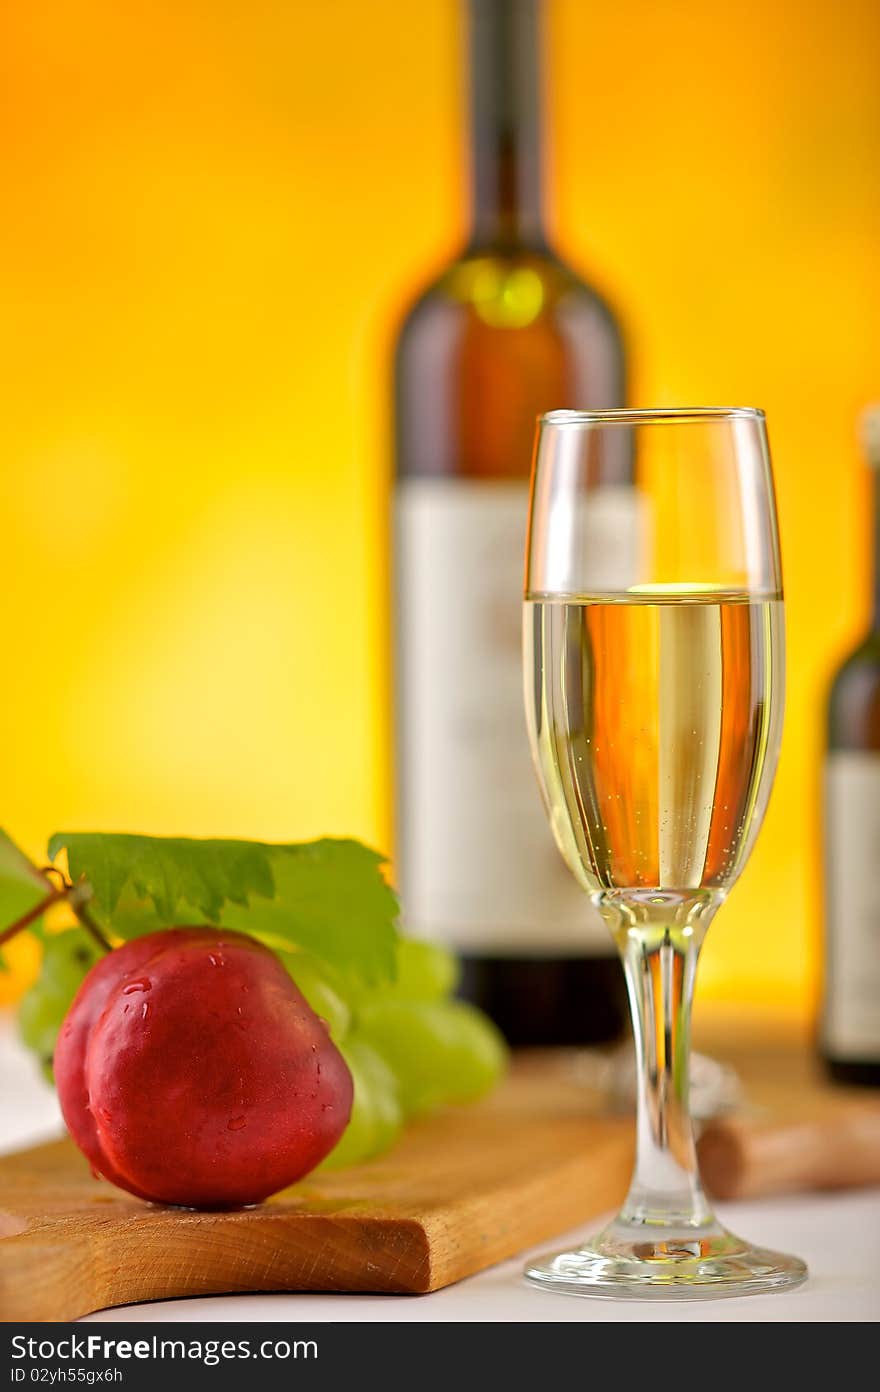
pixel 625 415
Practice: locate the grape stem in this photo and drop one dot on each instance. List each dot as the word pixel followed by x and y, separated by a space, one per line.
pixel 32 915
pixel 92 928
pixel 76 895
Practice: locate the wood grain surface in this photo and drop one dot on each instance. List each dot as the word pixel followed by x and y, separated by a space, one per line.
pixel 461 1190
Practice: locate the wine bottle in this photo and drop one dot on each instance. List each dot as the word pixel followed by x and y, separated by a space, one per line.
pixel 506 332
pixel 850 1030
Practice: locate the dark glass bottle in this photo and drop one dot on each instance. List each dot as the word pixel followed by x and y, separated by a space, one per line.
pixel 506 332
pixel 850 1034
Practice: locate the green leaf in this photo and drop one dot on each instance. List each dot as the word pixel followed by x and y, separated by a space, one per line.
pixel 168 870
pixel 16 870
pixel 331 899
pixel 328 897
pixel 22 886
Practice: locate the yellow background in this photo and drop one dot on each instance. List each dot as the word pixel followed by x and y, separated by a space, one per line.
pixel 215 213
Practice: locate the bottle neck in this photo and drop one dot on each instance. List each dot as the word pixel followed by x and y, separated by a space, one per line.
pixel 505 125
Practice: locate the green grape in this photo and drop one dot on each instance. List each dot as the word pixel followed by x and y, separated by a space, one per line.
pixel 67 958
pixel 439 1051
pixel 384 1093
pixel 310 976
pixel 376 1114
pixel 425 972
pixel 39 1020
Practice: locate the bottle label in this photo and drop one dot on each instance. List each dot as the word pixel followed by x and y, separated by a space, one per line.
pixel 477 862
pixel 851 1023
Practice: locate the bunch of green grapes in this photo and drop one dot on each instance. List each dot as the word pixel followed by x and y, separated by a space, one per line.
pixel 409 1046
pixel 67 957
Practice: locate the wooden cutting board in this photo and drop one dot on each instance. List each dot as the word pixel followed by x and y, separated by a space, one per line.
pixel 461 1190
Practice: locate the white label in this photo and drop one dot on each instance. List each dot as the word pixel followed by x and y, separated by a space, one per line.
pixel 852 845
pixel 478 864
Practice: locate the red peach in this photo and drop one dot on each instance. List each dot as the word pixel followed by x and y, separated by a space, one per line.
pixel 191 1070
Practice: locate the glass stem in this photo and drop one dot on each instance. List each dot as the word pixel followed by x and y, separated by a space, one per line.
pixel 660 961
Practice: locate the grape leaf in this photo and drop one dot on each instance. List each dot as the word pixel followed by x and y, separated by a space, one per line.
pixel 331 899
pixel 22 886
pixel 168 870
pixel 328 896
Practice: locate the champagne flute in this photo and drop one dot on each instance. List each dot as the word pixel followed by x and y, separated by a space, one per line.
pixel 654 683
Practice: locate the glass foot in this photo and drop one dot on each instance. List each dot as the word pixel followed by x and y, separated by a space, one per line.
pixel 629 1261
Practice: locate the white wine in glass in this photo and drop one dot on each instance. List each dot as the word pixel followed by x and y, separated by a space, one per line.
pixel 654 685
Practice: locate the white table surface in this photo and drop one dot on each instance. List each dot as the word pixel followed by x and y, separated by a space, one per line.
pixel 837 1234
